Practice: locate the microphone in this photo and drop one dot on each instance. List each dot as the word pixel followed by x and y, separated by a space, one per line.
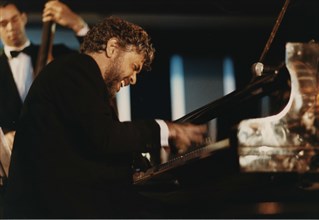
pixel 259 69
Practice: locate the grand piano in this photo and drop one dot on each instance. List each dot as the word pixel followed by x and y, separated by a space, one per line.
pixel 267 168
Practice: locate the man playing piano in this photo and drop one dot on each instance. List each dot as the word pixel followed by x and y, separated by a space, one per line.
pixel 72 157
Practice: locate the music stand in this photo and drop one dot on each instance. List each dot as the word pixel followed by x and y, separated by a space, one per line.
pixel 5 155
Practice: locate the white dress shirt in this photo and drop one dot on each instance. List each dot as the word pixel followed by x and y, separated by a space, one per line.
pixel 21 68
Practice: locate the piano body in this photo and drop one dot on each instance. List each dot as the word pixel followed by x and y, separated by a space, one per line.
pixel 267 168
pixel 287 141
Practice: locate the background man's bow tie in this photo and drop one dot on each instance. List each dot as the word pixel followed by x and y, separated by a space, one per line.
pixel 15 53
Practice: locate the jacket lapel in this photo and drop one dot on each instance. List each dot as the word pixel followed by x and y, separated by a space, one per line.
pixel 6 79
pixel 33 52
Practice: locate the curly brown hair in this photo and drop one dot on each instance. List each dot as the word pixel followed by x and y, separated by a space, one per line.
pixel 127 34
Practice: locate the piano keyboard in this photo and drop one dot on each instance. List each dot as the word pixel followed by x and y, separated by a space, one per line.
pixel 199 153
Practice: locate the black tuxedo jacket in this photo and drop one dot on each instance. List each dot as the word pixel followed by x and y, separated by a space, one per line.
pixel 10 101
pixel 72 158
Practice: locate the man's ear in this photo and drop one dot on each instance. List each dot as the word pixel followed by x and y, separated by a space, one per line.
pixel 24 18
pixel 111 47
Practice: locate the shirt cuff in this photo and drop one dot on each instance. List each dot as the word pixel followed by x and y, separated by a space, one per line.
pixel 164 153
pixel 83 31
pixel 164 132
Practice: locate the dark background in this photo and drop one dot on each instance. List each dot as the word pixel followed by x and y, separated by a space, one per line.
pixel 201 28
pixel 211 30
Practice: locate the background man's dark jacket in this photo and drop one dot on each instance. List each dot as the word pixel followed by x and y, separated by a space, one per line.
pixel 10 101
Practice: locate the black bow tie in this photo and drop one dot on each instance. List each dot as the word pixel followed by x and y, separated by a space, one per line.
pixel 15 53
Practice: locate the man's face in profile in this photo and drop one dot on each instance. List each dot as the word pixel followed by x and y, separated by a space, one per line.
pixel 12 26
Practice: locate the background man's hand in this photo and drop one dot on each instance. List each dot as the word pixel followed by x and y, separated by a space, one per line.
pixel 61 14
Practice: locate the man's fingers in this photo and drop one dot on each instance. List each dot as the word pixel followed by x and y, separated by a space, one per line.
pixel 187 135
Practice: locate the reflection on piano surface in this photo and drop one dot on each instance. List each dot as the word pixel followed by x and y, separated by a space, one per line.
pixel 289 140
pixel 213 182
